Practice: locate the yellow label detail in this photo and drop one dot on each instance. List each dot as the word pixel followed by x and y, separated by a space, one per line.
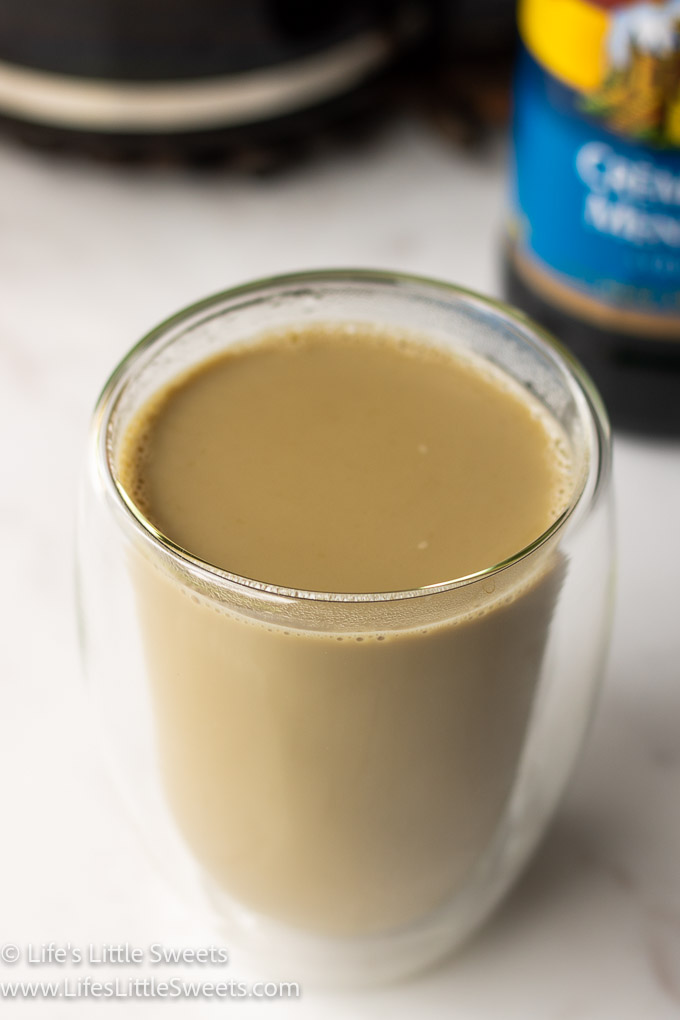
pixel 568 38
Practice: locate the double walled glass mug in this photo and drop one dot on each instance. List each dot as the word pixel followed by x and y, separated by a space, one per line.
pixel 347 783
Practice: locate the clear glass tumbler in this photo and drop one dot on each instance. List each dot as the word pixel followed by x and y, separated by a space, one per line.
pixel 348 783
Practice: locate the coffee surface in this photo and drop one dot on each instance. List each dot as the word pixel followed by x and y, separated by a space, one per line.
pixel 341 458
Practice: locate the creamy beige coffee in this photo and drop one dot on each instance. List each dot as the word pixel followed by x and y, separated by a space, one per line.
pixel 344 780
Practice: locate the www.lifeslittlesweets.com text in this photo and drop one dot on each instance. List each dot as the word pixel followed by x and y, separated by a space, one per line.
pixel 119 955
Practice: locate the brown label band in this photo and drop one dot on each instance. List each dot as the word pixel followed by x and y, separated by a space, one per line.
pixel 561 292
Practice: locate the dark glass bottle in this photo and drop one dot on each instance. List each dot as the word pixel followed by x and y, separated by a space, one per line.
pixel 593 249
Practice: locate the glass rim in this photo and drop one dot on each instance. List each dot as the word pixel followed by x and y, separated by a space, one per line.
pixel 532 334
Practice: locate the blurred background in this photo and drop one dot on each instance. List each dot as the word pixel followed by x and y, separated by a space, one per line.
pixel 156 151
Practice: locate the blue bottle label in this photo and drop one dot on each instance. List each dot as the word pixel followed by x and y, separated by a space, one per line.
pixel 596 177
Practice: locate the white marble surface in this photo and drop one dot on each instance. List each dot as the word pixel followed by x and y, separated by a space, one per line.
pixel 92 256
